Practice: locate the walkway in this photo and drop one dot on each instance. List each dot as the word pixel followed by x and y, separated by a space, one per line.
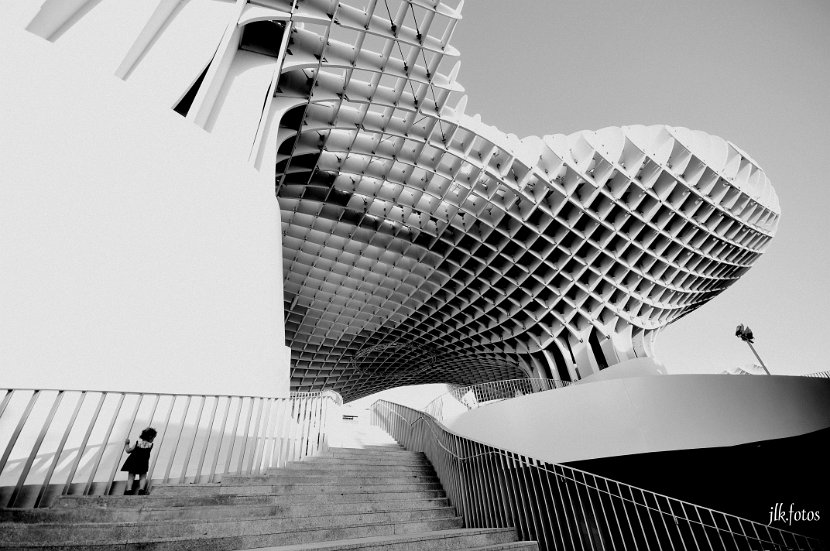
pixel 368 493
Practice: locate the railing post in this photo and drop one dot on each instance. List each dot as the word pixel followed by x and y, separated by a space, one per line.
pixel 573 513
pixel 560 499
pixel 157 449
pixel 243 450
pixel 540 504
pixel 186 464
pixel 18 429
pixel 31 459
pixel 305 425
pixel 619 529
pixel 486 481
pixel 495 489
pixel 261 437
pixel 525 522
pixel 234 434
pixel 212 475
pixel 552 496
pixel 114 470
pixel 263 402
pixel 323 439
pixel 6 399
pixel 207 439
pixel 284 431
pixel 466 511
pixel 44 487
pixel 84 441
pixel 295 410
pixel 530 511
pixel 639 518
pixel 665 525
pixel 507 500
pixel 104 443
pixel 271 438
pixel 178 439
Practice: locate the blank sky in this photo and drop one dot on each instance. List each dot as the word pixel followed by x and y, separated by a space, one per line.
pixel 753 72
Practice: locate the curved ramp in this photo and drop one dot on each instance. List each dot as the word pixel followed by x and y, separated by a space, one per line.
pixel 609 418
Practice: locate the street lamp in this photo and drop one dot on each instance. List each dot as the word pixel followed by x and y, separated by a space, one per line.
pixel 745 334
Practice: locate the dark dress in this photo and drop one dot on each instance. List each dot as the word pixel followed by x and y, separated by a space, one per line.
pixel 139 460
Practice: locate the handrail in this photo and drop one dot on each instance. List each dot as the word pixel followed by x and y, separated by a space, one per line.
pixel 326 393
pixel 472 396
pixel 70 442
pixel 818 374
pixel 564 508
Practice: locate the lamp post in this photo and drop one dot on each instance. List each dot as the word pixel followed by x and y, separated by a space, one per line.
pixel 745 334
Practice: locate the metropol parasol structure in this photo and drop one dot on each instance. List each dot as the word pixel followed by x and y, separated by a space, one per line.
pixel 420 244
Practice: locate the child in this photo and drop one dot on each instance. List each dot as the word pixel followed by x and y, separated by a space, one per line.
pixel 138 463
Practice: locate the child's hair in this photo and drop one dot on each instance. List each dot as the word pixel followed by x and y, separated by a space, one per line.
pixel 148 434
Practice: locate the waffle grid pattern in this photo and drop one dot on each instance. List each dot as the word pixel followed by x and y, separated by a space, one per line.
pixel 421 245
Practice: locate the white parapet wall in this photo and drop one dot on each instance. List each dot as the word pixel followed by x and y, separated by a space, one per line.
pixel 135 252
pixel 643 414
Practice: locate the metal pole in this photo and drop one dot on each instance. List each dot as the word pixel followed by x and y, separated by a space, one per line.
pixel 106 440
pixel 59 450
pixel 18 429
pixel 33 453
pixel 234 435
pixel 183 477
pixel 6 398
pixel 82 447
pixel 759 357
pixel 111 478
pixel 178 439
pixel 212 476
pixel 149 482
pixel 207 440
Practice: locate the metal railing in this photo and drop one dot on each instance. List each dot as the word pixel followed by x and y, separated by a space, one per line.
pixel 567 509
pixel 469 397
pixel 71 442
pixel 326 393
pixel 818 375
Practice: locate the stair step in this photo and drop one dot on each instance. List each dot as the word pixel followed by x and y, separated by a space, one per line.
pixel 340 487
pixel 211 512
pixel 370 443
pixel 350 469
pixel 529 545
pixel 446 540
pixel 239 538
pixel 370 457
pixel 415 462
pixel 12 533
pixel 349 452
pixel 295 477
pixel 136 502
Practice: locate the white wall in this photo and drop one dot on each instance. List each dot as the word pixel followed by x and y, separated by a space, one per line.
pixel 135 253
pixel 632 415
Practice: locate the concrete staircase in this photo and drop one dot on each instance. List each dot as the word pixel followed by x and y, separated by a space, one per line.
pixel 368 493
